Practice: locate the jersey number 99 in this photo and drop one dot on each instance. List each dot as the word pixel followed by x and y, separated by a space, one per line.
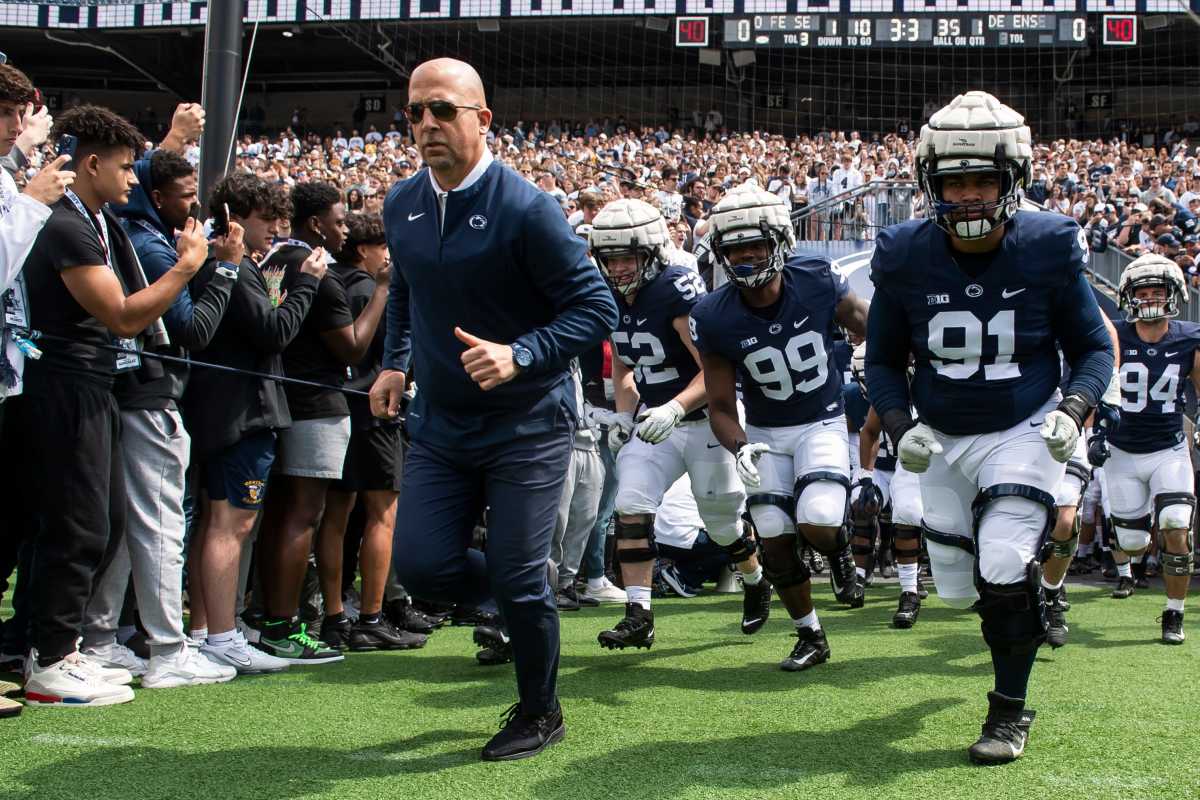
pixel 769 367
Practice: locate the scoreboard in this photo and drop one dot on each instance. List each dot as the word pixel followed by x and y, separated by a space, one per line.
pixel 898 30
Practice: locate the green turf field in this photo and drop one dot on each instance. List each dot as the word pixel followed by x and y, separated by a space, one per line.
pixel 705 714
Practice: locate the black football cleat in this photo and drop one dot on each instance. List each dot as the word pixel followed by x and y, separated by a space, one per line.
pixel 1056 617
pixel 1172 627
pixel 906 614
pixel 470 617
pixel 522 736
pixel 843 577
pixel 636 629
pixel 382 635
pixel 1005 731
pixel 1123 589
pixel 496 648
pixel 405 616
pixel 811 649
pixel 756 605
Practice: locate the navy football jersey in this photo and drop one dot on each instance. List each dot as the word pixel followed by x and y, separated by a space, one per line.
pixel 856 406
pixel 984 345
pixel 1153 380
pixel 842 354
pixel 648 344
pixel 785 364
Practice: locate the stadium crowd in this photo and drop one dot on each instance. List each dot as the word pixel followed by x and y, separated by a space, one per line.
pixel 242 498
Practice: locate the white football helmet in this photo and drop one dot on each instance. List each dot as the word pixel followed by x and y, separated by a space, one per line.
pixel 975 133
pixel 1146 271
pixel 630 227
pixel 748 214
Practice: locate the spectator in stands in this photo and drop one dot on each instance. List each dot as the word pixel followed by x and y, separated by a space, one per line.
pixel 89 297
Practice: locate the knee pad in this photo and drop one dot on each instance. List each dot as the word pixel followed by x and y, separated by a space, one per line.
pixel 952 562
pixel 742 547
pixel 636 531
pixel 771 515
pixel 1132 534
pixel 822 499
pixel 1013 615
pixel 783 568
pixel 1062 548
pixel 1174 510
pixel 720 514
pixel 1005 562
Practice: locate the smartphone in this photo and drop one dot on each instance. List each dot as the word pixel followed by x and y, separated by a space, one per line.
pixel 66 147
pixel 220 225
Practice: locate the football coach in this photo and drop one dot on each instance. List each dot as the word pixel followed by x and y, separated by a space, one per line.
pixel 491 296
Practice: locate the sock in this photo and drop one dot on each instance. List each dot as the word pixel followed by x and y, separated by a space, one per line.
pixel 1053 587
pixel 1012 673
pixel 199 634
pixel 908 576
pixel 862 572
pixel 753 578
pixel 218 639
pixel 338 617
pixel 1175 604
pixel 639 595
pixel 1124 570
pixel 809 620
pixel 596 584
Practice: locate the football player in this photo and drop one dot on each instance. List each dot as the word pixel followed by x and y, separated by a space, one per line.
pixel 657 377
pixel 1148 476
pixel 980 294
pixel 771 327
pixel 881 484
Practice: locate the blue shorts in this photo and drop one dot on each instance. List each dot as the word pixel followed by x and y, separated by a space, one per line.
pixel 238 474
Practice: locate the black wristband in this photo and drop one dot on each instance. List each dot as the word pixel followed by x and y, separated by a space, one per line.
pixel 896 423
pixel 1075 407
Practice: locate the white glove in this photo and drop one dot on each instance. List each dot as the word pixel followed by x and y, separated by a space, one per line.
pixel 1060 433
pixel 916 447
pixel 747 459
pixel 619 431
pixel 1112 395
pixel 658 422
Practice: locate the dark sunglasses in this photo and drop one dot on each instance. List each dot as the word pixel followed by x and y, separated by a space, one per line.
pixel 442 110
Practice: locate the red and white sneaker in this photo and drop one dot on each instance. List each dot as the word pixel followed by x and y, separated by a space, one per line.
pixel 70 683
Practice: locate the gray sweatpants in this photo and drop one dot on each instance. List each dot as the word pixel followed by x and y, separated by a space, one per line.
pixel 577 510
pixel 156 450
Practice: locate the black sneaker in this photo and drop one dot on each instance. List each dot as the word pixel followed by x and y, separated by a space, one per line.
pixel 1056 616
pixel 1172 626
pixel 756 605
pixel 670 576
pixel 1123 589
pixel 496 648
pixel 522 736
pixel 1005 731
pixel 405 616
pixel 636 629
pixel 382 635
pixel 843 577
pixel 567 599
pixel 437 613
pixel 291 641
pixel 906 614
pixel 470 617
pixel 811 649
pixel 336 632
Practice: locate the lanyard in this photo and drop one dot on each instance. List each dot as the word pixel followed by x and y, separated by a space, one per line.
pixel 141 223
pixel 275 248
pixel 99 225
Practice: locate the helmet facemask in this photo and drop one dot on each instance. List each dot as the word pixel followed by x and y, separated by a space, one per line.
pixel 746 273
pixel 647 269
pixel 971 220
pixel 1150 309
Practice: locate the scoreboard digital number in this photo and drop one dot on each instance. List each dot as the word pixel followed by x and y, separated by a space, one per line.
pixel 1120 29
pixel 691 31
pixel 966 30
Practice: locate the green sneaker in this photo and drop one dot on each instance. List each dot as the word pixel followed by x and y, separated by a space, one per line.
pixel 298 647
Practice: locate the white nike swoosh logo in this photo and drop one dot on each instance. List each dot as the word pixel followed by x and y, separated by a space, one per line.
pixel 1171 355
pixel 640 321
pixel 801 322
pixel 412 217
pixel 1007 294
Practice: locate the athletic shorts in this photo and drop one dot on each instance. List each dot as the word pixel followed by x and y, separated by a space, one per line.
pixel 238 474
pixel 373 460
pixel 314 448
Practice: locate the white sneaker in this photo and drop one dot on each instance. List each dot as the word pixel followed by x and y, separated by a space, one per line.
pixel 117 655
pixel 68 684
pixel 185 667
pixel 608 593
pixel 242 657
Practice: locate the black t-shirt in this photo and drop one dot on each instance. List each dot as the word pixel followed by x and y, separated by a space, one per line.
pixel 68 240
pixel 360 288
pixel 307 357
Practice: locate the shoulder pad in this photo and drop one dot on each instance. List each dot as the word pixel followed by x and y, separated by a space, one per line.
pixel 894 249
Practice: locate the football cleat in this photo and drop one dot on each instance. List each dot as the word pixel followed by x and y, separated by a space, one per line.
pixel 496 647
pixel 1056 617
pixel 1004 733
pixel 1123 589
pixel 906 614
pixel 1172 627
pixel 811 649
pixel 843 577
pixel 756 605
pixel 635 629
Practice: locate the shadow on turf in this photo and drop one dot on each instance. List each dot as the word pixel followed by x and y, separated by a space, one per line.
pixel 864 755
pixel 254 773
